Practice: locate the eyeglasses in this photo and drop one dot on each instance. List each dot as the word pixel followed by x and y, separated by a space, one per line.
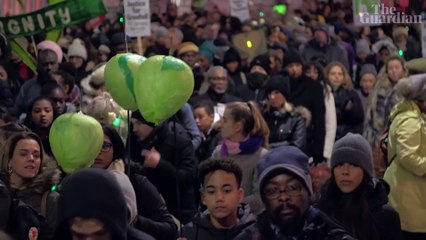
pixel 274 192
pixel 106 146
pixel 218 78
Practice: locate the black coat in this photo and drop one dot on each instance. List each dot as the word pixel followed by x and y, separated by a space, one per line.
pixel 208 144
pixel 318 226
pixel 310 94
pixel 349 112
pixel 177 162
pixel 388 222
pixel 201 227
pixel 286 128
pixel 153 216
pixel 6 97
pixel 214 97
pixel 249 94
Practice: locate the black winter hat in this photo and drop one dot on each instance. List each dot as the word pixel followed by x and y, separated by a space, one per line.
pixel 354 149
pixel 285 159
pixel 137 115
pixel 263 61
pixel 279 83
pixel 231 55
pixel 292 57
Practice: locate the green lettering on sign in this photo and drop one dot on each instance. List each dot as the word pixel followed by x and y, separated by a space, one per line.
pixel 55 16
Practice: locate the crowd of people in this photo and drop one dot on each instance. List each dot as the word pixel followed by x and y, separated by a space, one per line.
pixel 237 160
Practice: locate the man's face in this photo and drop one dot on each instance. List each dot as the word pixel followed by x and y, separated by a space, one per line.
pixel 89 228
pixel 189 58
pixel 294 70
pixel 218 81
pixel 48 63
pixel 141 130
pixel 320 37
pixel 288 206
pixel 222 196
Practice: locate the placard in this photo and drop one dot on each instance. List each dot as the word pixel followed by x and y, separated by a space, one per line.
pixel 137 18
pixel 240 9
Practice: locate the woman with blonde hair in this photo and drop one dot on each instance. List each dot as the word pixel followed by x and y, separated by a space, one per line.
pixel 245 136
pixel 349 110
pixel 104 109
pixel 383 98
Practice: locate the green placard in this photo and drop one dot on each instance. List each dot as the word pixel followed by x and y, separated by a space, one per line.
pixel 52 17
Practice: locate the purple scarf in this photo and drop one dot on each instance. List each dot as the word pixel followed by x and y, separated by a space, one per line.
pixel 247 146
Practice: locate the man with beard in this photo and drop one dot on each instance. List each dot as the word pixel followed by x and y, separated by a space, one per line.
pixel 217 78
pixel 285 186
pixel 260 68
pixel 47 63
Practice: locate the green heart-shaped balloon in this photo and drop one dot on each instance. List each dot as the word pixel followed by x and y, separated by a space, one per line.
pixel 120 74
pixel 76 140
pixel 165 84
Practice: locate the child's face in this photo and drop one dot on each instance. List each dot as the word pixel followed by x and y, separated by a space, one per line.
pixel 367 82
pixel 203 119
pixel 222 196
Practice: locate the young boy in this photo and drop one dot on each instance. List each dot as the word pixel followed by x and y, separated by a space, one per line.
pixel 221 192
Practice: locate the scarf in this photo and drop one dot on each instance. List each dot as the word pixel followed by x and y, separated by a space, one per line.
pixel 248 146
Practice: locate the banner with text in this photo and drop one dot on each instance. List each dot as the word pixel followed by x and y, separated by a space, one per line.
pixel 56 16
pixel 240 9
pixel 424 38
pixel 137 18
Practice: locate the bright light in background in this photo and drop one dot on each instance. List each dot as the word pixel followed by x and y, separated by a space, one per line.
pixel 261 14
pixel 280 8
pixel 400 52
pixel 122 19
pixel 249 44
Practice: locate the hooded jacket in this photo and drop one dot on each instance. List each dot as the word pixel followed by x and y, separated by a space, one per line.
pixel 201 227
pixel 406 174
pixel 107 205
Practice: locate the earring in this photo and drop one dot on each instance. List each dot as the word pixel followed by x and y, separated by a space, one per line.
pixel 9 170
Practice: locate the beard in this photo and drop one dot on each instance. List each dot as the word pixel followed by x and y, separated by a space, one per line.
pixel 288 225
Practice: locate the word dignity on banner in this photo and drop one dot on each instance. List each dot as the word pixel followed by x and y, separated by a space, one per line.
pixel 56 16
pixel 385 14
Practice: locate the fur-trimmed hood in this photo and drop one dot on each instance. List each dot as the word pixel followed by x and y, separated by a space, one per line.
pixel 305 113
pixel 50 175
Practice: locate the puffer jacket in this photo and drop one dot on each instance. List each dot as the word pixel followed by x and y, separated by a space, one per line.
pixel 286 128
pixel 406 174
pixel 201 227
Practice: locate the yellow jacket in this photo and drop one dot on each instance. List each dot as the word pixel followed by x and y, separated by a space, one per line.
pixel 407 173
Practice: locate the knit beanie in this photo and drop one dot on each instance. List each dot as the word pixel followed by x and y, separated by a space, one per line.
pixel 117 39
pixel 279 83
pixel 412 87
pixel 284 160
pixel 77 50
pixel 262 61
pixel 51 45
pixel 354 149
pixel 322 27
pixel 187 47
pixel 292 57
pixel 362 47
pixel 137 115
pixel 368 68
pixel 231 55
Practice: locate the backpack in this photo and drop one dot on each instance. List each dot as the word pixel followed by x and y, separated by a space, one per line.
pixel 381 158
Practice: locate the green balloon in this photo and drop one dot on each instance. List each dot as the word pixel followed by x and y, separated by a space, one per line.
pixel 120 74
pixel 166 83
pixel 76 140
